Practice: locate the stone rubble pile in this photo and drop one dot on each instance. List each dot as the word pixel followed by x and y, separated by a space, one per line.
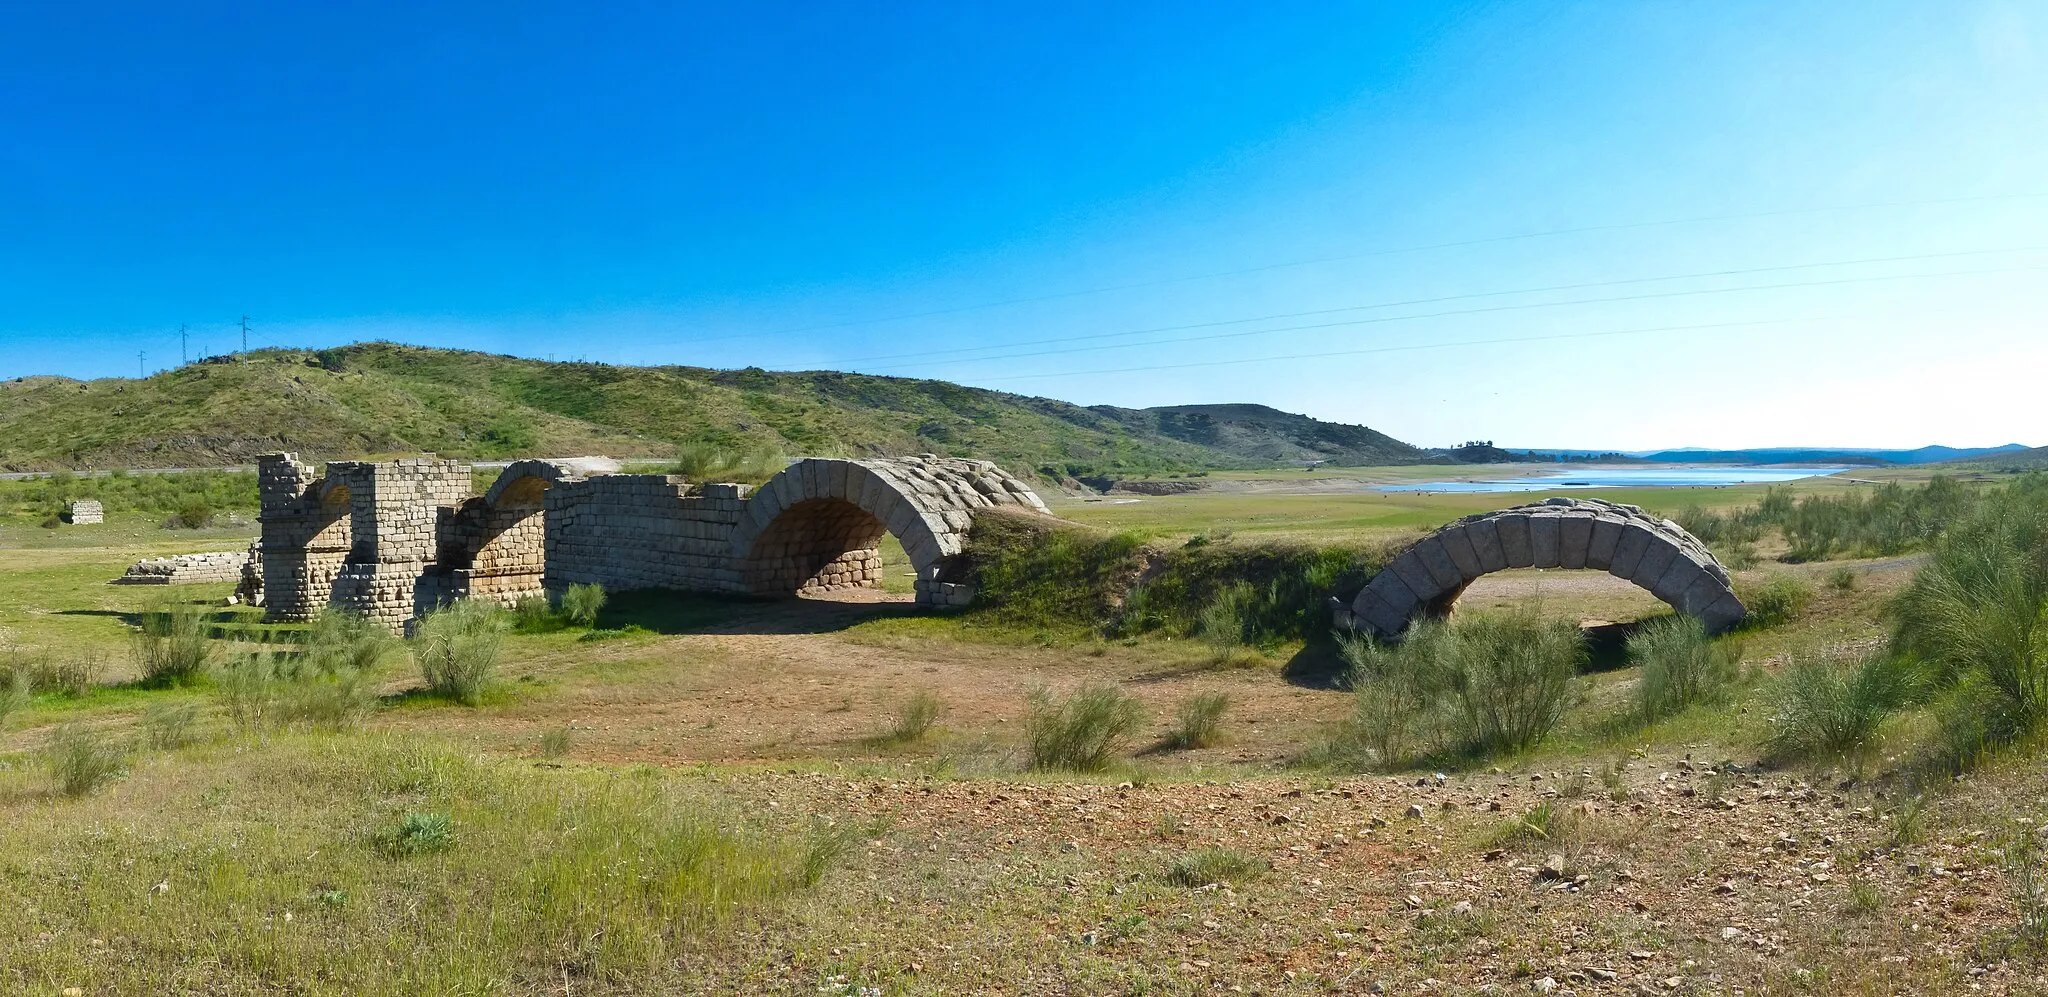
pixel 187 569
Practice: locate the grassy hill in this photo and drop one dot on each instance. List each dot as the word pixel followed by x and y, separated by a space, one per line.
pixel 2008 462
pixel 1266 435
pixel 376 399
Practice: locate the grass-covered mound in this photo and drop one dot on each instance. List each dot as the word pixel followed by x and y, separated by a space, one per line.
pixel 1040 572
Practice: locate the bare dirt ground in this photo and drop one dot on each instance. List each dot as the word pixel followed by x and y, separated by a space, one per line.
pixel 798 679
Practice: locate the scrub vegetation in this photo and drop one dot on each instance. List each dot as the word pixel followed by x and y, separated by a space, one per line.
pixel 1058 788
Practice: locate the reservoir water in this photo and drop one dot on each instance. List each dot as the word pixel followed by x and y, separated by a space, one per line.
pixel 1568 478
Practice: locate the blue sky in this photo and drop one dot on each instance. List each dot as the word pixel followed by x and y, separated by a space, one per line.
pixel 1591 225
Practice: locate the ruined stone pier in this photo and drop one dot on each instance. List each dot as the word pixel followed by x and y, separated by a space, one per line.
pixel 392 540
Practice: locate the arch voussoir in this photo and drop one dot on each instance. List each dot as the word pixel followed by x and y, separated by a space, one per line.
pixel 1653 553
pixel 926 502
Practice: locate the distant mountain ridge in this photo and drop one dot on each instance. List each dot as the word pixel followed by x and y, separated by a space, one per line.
pixel 376 399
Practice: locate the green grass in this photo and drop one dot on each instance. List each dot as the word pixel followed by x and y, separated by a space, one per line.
pixel 378 849
pixel 1205 866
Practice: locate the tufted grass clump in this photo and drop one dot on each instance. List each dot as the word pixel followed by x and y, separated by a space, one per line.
pixel 14 694
pixel 81 760
pixel 1198 722
pixel 418 833
pixel 1082 732
pixel 1776 602
pixel 1484 684
pixel 457 649
pixel 343 643
pixel 175 644
pixel 74 675
pixel 1681 666
pixel 536 615
pixel 582 602
pixel 167 726
pixel 1209 866
pixel 1833 703
pixel 915 718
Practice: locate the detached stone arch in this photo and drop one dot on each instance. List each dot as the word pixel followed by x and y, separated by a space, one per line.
pixel 1623 540
pixel 817 525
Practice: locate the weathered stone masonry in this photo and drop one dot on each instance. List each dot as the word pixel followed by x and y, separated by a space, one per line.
pixel 1623 540
pixel 392 540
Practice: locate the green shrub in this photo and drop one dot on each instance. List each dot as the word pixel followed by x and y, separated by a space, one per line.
pixel 246 687
pixel 419 834
pixel 1226 618
pixel 14 694
pixel 166 726
pixel 914 719
pixel 1516 671
pixel 1197 722
pixel 1980 603
pixel 82 760
pixel 175 644
pixel 705 461
pixel 581 604
pixel 1834 704
pixel 457 649
pixel 1081 732
pixel 1488 682
pixel 536 615
pixel 327 686
pixel 1210 866
pixel 1405 694
pixel 1842 580
pixel 1263 593
pixel 1776 602
pixel 342 643
pixel 72 676
pixel 557 742
pixel 1034 571
pixel 1681 666
pixel 193 515
pixel 1037 572
pixel 825 845
pixel 1544 823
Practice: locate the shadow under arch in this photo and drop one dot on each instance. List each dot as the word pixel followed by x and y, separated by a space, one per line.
pixel 497 549
pixel 816 527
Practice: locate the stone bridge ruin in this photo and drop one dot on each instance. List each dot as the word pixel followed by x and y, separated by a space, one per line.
pixel 393 540
pixel 1623 540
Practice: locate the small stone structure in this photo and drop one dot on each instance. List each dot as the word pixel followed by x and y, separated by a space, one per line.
pixel 187 569
pixel 84 512
pixel 1622 540
pixel 393 540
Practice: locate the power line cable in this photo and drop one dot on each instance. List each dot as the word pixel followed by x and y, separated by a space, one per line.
pixel 1459 311
pixel 1433 300
pixel 1371 254
pixel 1412 347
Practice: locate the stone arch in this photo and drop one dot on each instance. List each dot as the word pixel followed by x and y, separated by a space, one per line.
pixel 503 533
pixel 817 525
pixel 1623 540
